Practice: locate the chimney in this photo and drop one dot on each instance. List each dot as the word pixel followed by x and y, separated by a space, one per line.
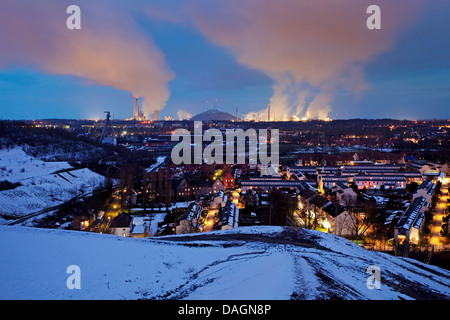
pixel 135 108
pixel 268 113
pixel 156 115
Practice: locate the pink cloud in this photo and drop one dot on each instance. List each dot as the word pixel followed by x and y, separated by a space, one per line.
pixel 109 49
pixel 323 44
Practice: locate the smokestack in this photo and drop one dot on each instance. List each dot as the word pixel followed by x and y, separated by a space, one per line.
pixel 135 108
pixel 141 114
pixel 268 113
pixel 236 114
pixel 156 115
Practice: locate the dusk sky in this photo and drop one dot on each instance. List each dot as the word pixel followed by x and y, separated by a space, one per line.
pixel 313 59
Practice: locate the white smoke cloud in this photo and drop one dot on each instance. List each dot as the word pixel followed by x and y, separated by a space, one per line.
pixel 183 115
pixel 309 48
pixel 110 49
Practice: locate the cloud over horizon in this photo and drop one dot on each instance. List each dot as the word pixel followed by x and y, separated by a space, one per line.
pixel 313 59
pixel 309 49
pixel 110 49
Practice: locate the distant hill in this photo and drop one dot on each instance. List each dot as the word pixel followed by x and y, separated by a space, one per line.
pixel 213 114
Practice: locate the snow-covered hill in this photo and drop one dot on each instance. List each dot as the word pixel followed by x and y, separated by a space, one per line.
pixel 42 184
pixel 244 263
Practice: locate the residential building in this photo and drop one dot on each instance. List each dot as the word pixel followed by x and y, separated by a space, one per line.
pixel 219 199
pixel 140 227
pixel 426 190
pixel 344 194
pixel 228 217
pixel 218 186
pixel 189 220
pixel 376 181
pixel 189 188
pixel 311 170
pixel 121 225
pixel 344 224
pixel 81 222
pixel 408 226
pixel 228 181
pixel 267 184
pixel 373 168
pixel 329 181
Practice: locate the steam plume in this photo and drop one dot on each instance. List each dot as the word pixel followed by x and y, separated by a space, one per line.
pixel 309 48
pixel 109 49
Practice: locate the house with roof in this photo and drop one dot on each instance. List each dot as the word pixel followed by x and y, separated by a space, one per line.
pixel 218 185
pixel 433 174
pixel 121 225
pixel 228 181
pixel 330 215
pixel 141 227
pixel 191 188
pixel 267 184
pixel 328 181
pixel 228 217
pixel 376 181
pixel 189 220
pixel 344 194
pixel 408 226
pixel 426 190
pixel 81 222
pixel 219 199
pixel 307 194
pixel 318 203
pixel 184 189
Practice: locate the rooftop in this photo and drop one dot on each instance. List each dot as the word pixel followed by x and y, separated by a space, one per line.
pixel 411 214
pixel 379 178
pixel 123 220
pixel 319 201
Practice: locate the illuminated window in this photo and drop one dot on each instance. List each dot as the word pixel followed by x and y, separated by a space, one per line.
pixel 401 239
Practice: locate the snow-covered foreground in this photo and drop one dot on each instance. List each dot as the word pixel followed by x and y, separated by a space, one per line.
pixel 41 186
pixel 244 263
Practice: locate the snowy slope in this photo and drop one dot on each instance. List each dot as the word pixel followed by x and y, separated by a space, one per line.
pixel 244 263
pixel 41 186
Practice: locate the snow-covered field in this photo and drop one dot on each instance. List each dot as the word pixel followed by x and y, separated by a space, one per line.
pixel 243 263
pixel 40 186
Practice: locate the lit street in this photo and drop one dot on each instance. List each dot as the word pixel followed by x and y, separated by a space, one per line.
pixel 439 214
pixel 210 220
pixel 111 211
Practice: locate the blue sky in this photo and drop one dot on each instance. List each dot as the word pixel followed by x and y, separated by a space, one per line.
pixel 408 80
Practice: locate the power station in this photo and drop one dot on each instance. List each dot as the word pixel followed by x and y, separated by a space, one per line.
pixel 137 110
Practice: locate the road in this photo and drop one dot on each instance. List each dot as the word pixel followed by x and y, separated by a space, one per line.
pixel 235 197
pixel 210 220
pixel 113 209
pixel 439 214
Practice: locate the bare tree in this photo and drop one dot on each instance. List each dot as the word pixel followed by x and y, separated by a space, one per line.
pixel 308 216
pixel 362 219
